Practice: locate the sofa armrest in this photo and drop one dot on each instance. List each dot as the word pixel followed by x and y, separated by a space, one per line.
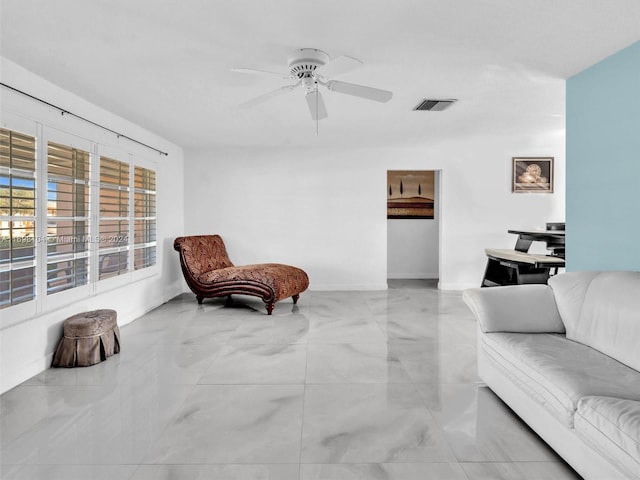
pixel 517 308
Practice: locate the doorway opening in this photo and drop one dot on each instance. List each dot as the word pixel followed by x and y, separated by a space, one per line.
pixel 413 228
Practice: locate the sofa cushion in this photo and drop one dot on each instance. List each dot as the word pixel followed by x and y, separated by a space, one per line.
pixel 610 317
pixel 515 308
pixel 612 426
pixel 284 280
pixel 569 290
pixel 558 372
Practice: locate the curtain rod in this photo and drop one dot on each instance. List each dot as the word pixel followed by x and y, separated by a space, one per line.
pixel 67 112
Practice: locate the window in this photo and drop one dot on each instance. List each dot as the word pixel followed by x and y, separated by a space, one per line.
pixel 17 217
pixel 95 218
pixel 144 231
pixel 113 242
pixel 67 217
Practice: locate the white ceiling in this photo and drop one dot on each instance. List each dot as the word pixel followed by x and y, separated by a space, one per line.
pixel 165 64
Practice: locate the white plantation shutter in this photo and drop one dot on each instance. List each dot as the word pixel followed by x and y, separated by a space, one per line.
pixel 67 217
pixel 144 236
pixel 113 245
pixel 17 217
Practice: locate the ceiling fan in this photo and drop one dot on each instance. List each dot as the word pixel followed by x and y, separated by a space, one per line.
pixel 310 68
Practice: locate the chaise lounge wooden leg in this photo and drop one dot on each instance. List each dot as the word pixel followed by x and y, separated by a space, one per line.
pixel 295 298
pixel 269 307
pixel 228 302
pixel 199 298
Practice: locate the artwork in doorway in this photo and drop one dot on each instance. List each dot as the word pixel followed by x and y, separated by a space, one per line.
pixel 410 193
pixel 532 174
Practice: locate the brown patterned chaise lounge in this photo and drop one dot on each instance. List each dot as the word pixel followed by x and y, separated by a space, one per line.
pixel 209 273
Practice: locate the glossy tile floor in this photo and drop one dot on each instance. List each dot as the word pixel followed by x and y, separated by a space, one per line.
pixel 347 385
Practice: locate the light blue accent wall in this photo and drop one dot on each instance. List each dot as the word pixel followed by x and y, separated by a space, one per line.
pixel 603 164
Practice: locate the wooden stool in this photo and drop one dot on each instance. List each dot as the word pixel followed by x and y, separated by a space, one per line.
pixel 89 338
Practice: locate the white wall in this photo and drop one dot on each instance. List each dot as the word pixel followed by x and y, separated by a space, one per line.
pixel 28 341
pixel 325 209
pixel 412 248
pixel 322 210
pixel 413 245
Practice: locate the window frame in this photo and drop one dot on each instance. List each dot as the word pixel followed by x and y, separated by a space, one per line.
pixel 43 302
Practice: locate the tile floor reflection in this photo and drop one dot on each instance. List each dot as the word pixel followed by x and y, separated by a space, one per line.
pixel 345 385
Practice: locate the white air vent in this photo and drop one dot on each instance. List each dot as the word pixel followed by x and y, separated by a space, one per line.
pixel 435 105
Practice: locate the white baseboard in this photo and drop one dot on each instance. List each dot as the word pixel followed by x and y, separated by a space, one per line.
pixel 347 287
pixel 457 286
pixel 413 276
pixel 11 379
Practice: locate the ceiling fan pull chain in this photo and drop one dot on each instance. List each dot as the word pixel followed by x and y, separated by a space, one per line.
pixel 317 116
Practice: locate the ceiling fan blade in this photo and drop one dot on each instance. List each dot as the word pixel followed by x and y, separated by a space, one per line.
pixel 338 66
pixel 252 71
pixel 316 105
pixel 361 91
pixel 268 96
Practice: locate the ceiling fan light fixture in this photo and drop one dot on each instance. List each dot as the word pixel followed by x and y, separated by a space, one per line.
pixel 304 61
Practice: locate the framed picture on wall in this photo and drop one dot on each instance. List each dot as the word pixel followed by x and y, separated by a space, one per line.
pixel 532 175
pixel 410 194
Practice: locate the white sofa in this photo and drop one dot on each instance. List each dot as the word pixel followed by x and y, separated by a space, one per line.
pixel 566 358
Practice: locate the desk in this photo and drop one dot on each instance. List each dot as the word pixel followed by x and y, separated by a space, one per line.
pixel 553 238
pixel 517 266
